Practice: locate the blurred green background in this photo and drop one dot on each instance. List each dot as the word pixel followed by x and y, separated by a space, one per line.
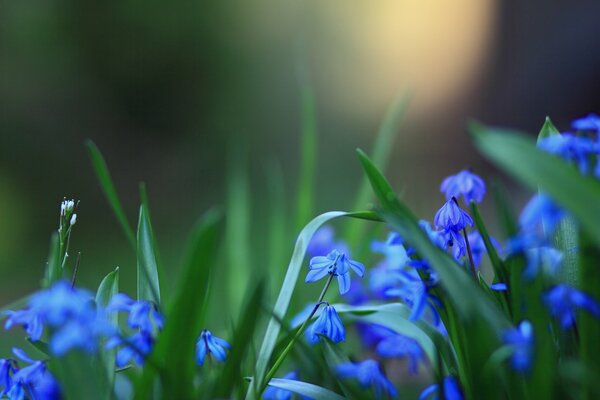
pixel 176 93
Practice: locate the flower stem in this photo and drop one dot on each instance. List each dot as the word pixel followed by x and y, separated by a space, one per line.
pixel 287 349
pixel 471 263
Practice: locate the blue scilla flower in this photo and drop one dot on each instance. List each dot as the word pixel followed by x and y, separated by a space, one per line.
pixel 521 341
pixel 8 368
pixel 541 210
pixel 209 344
pixel 400 346
pixel 372 334
pixel 452 390
pixel 576 149
pixel 499 287
pixel 34 379
pixel 415 293
pixel 329 325
pixel 590 122
pixel 564 301
pixel 465 184
pixel 62 302
pixel 142 314
pixel 544 258
pixel 273 393
pixel 382 278
pixel 395 253
pixel 452 217
pixel 436 237
pixel 29 320
pixel 336 264
pixel 368 373
pixel 455 241
pixel 478 248
pixel 133 349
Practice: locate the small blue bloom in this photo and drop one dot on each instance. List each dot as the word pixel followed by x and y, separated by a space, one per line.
pixel 455 240
pixel 591 122
pixel 372 334
pixel 452 217
pixel 499 287
pixel 401 346
pixel 396 255
pixel 436 237
pixel 382 278
pixel 478 248
pixel 336 264
pixel 34 379
pixel 142 314
pixel 328 324
pixel 564 301
pixel 369 375
pixel 134 348
pixel 29 320
pixel 7 370
pixel 546 258
pixel 452 390
pixel 273 393
pixel 521 341
pixel 62 302
pixel 576 149
pixel 415 293
pixel 465 184
pixel 541 210
pixel 209 344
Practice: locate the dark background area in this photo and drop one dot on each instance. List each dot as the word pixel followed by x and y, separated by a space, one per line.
pixel 173 92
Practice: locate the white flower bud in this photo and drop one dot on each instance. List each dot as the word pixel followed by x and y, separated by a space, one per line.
pixel 73 219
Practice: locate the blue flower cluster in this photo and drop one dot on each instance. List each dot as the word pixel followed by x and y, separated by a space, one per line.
pixel 31 381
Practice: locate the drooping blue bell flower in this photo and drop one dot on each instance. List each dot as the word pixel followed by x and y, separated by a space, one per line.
pixel 368 373
pixel 329 325
pixel 451 217
pixel 209 344
pixel 466 184
pixel 563 302
pixel 400 346
pixel 521 341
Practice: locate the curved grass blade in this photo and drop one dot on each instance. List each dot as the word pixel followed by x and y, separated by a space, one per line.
pixel 287 289
pixel 148 285
pixel 54 269
pixel 305 389
pixel 548 129
pixel 517 155
pixel 109 190
pixel 466 295
pixel 107 289
pixel 497 263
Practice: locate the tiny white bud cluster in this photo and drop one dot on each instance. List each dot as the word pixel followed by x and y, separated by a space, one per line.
pixel 66 206
pixel 73 219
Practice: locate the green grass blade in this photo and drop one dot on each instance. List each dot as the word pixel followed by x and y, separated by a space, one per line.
pixel 382 149
pixel 231 375
pixel 103 175
pixel 517 155
pixel 286 291
pixel 107 289
pixel 497 263
pixel 54 271
pixel 308 156
pixel 174 350
pixel 458 283
pixel 148 285
pixel 305 389
pixel 548 129
pixel 237 232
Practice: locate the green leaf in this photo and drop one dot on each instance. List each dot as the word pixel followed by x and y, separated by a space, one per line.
pixel 548 129
pixel 287 289
pixel 382 149
pixel 173 355
pixel 466 295
pixel 54 269
pixel 497 263
pixel 40 346
pixel 517 155
pixel 109 190
pixel 107 289
pixel 148 286
pixel 305 389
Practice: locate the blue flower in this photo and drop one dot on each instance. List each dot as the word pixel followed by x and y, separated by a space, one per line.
pixel 372 334
pixel 209 344
pixel 29 320
pixel 564 301
pixel 415 293
pixel 273 393
pixel 521 341
pixel 499 287
pixel 402 346
pixel 142 314
pixel 478 248
pixel 571 148
pixel 34 379
pixel 336 264
pixel 328 324
pixel 465 184
pixel 547 258
pixel 541 210
pixel 134 348
pixel 456 241
pixel 7 370
pixel 452 390
pixel 369 375
pixel 452 217
pixel 323 242
pixel 591 122
pixel 436 237
pixel 396 255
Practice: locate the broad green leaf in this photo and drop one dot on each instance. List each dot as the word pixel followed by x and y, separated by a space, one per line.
pixel 148 286
pixel 80 375
pixel 286 291
pixel 382 149
pixel 305 389
pixel 54 271
pixel 107 289
pixel 173 355
pixel 103 175
pixel 517 155
pixel 504 212
pixel 466 295
pixel 308 155
pixel 497 263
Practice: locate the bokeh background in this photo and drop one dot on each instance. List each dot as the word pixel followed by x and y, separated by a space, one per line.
pixel 174 93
